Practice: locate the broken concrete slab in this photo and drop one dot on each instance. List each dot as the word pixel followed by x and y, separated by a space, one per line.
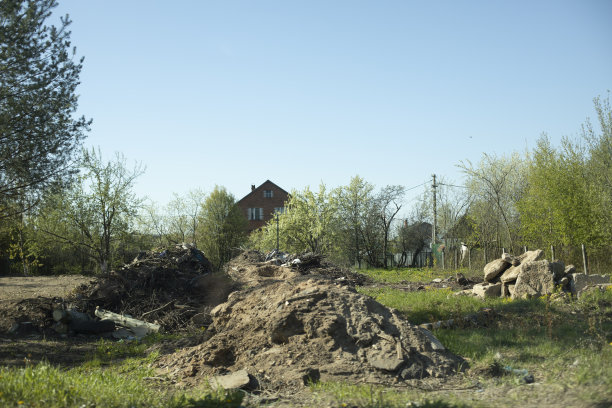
pixel 494 268
pixel 580 280
pixel 535 279
pixel 486 289
pixel 531 256
pixel 511 274
pixel 513 260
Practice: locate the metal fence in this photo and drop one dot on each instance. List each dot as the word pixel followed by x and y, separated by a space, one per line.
pixel 596 260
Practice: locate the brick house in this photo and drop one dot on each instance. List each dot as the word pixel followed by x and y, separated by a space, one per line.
pixel 261 203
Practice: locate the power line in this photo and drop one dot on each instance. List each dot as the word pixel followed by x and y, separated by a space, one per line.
pixel 422 184
pixel 451 185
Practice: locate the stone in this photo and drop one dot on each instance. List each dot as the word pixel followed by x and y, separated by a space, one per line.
pixel 531 256
pixel 580 280
pixel 461 279
pixel 384 361
pixel 569 269
pixel 504 290
pixel 511 289
pixel 237 379
pixel 513 260
pixel 494 268
pixel 484 290
pixel 510 274
pixel 535 279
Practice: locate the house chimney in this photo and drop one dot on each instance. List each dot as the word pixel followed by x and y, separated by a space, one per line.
pixel 252 187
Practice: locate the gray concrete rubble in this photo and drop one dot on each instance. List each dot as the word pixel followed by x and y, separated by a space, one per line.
pixel 530 275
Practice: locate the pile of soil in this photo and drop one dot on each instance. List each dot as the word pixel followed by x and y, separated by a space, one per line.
pixel 286 333
pixel 252 267
pixel 168 287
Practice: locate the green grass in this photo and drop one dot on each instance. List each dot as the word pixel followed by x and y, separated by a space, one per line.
pixel 567 347
pixel 118 375
pixel 429 305
pixel 376 396
pixel 414 274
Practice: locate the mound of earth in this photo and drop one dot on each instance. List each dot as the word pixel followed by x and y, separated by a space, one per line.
pixel 286 333
pixel 252 267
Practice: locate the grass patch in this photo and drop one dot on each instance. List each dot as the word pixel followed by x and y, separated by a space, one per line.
pixel 372 396
pixel 429 305
pixel 116 375
pixel 414 274
pixel 44 385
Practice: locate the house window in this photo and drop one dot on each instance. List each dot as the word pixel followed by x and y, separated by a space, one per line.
pixel 255 214
pixel 268 194
pixel 279 210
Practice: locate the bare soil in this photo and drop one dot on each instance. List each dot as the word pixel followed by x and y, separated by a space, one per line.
pixel 28 287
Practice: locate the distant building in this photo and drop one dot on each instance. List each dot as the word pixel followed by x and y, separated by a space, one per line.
pixel 261 203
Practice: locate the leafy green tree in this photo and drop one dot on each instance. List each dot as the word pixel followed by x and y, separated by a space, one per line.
pixel 494 188
pixel 388 204
pixel 568 197
pixel 309 224
pixel 355 204
pixel 38 79
pixel 222 227
pixel 97 213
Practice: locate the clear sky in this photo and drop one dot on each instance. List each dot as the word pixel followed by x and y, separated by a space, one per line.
pixel 236 92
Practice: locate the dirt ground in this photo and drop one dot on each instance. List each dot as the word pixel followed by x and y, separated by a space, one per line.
pixel 28 287
pixel 30 298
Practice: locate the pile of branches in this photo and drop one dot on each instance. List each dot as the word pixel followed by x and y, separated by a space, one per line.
pixel 168 286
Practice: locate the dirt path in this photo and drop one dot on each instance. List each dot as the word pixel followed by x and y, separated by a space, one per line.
pixel 27 287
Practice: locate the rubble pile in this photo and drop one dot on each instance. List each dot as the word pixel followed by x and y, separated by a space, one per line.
pixel 253 267
pixel 170 287
pixel 528 275
pixel 285 333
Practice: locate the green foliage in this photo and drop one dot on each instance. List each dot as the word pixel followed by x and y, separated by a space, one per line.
pixel 309 224
pixel 357 234
pixel 495 185
pixel 38 80
pixel 222 227
pixel 559 205
pixel 95 215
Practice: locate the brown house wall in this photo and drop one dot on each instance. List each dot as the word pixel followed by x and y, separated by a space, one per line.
pixel 256 199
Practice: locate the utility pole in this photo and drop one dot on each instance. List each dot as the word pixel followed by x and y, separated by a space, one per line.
pixel 435 213
pixel 277 232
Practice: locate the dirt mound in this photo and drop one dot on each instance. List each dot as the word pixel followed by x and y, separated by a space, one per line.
pixel 252 267
pixel 169 286
pixel 286 333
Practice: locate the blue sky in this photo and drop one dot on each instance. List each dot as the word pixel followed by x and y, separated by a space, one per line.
pixel 236 92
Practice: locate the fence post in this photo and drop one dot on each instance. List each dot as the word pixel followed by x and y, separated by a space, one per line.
pixel 470 258
pixel 585 260
pixel 552 252
pixel 525 248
